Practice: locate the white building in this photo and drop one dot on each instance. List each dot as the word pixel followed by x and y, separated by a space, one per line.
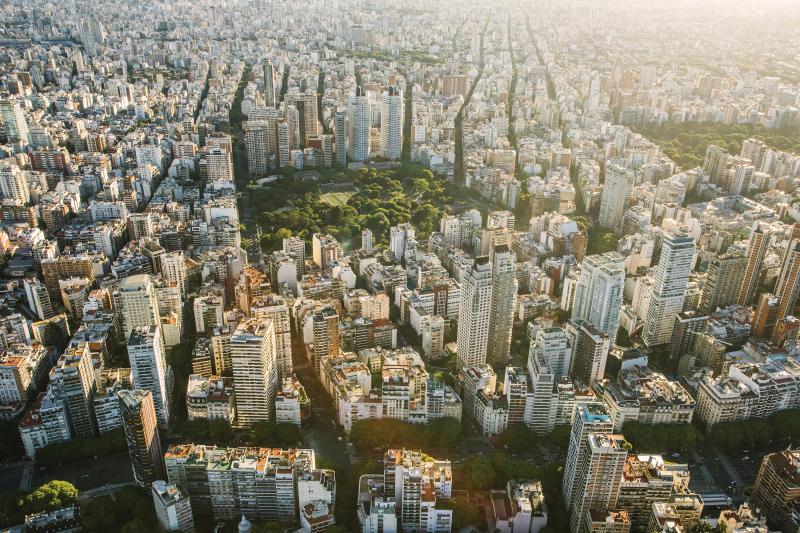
pixel 598 294
pixel 392 123
pixel 173 507
pixel 669 289
pixel 474 313
pixel 255 372
pixel 290 401
pixel 358 111
pixel 616 189
pixel 149 369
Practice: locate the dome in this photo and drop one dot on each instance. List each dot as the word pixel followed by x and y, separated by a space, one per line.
pixel 245 526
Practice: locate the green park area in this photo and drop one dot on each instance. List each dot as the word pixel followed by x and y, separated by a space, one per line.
pixel 686 143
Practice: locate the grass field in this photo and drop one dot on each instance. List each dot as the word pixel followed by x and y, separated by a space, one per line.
pixel 337 198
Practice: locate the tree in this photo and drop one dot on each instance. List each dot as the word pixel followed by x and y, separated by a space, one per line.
pixel 479 473
pixel 11 508
pixel 517 437
pixel 52 495
pixel 465 513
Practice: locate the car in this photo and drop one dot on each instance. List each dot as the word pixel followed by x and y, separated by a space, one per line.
pixel 746 458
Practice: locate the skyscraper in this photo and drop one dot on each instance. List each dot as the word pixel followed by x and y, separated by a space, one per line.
pixel 141 435
pixel 149 369
pixel 325 331
pixel 616 189
pixel 788 286
pixel 255 373
pixel 669 288
pixel 269 83
pixel 589 418
pixel 15 127
pixel 257 138
pixel 74 376
pixel 38 298
pixel 684 334
pixel 599 477
pixel 474 313
pixel 392 123
pixel 340 129
pixel 358 127
pixel 723 281
pixel 136 300
pixel 504 298
pixel 756 251
pixel 590 348
pixel 598 294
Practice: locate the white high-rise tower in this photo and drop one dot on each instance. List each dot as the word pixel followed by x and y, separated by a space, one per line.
pixel 149 370
pixel 616 189
pixel 474 312
pixel 598 295
pixel 359 126
pixel 255 372
pixel 669 288
pixel 392 123
pixel 15 127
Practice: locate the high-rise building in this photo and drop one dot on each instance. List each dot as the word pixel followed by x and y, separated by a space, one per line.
pixel 616 189
pixel 598 294
pixel 14 183
pixel 358 117
pixel 74 377
pixel 257 135
pixel 173 268
pixel 669 288
pixel 688 324
pixel 723 282
pixel 777 488
pixel 284 143
pixel 219 164
pixel 306 104
pixel 173 507
pixel 137 303
pixel 255 373
pixel 275 308
pixel 324 250
pixel 392 123
pixel 589 418
pixel 141 434
pixel 149 369
pixel 757 248
pixel 297 246
pixel 474 313
pixel 264 483
pixel 38 298
pixel 415 481
pixel 325 332
pixel 15 127
pixel 590 348
pixel 398 237
pixel 269 83
pixel 340 130
pixel 788 287
pixel 504 299
pixel 599 477
pixel 367 243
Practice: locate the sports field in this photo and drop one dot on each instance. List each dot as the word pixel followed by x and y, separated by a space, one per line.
pixel 337 198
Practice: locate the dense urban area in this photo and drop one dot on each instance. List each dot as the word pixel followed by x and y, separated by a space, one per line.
pixel 419 266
